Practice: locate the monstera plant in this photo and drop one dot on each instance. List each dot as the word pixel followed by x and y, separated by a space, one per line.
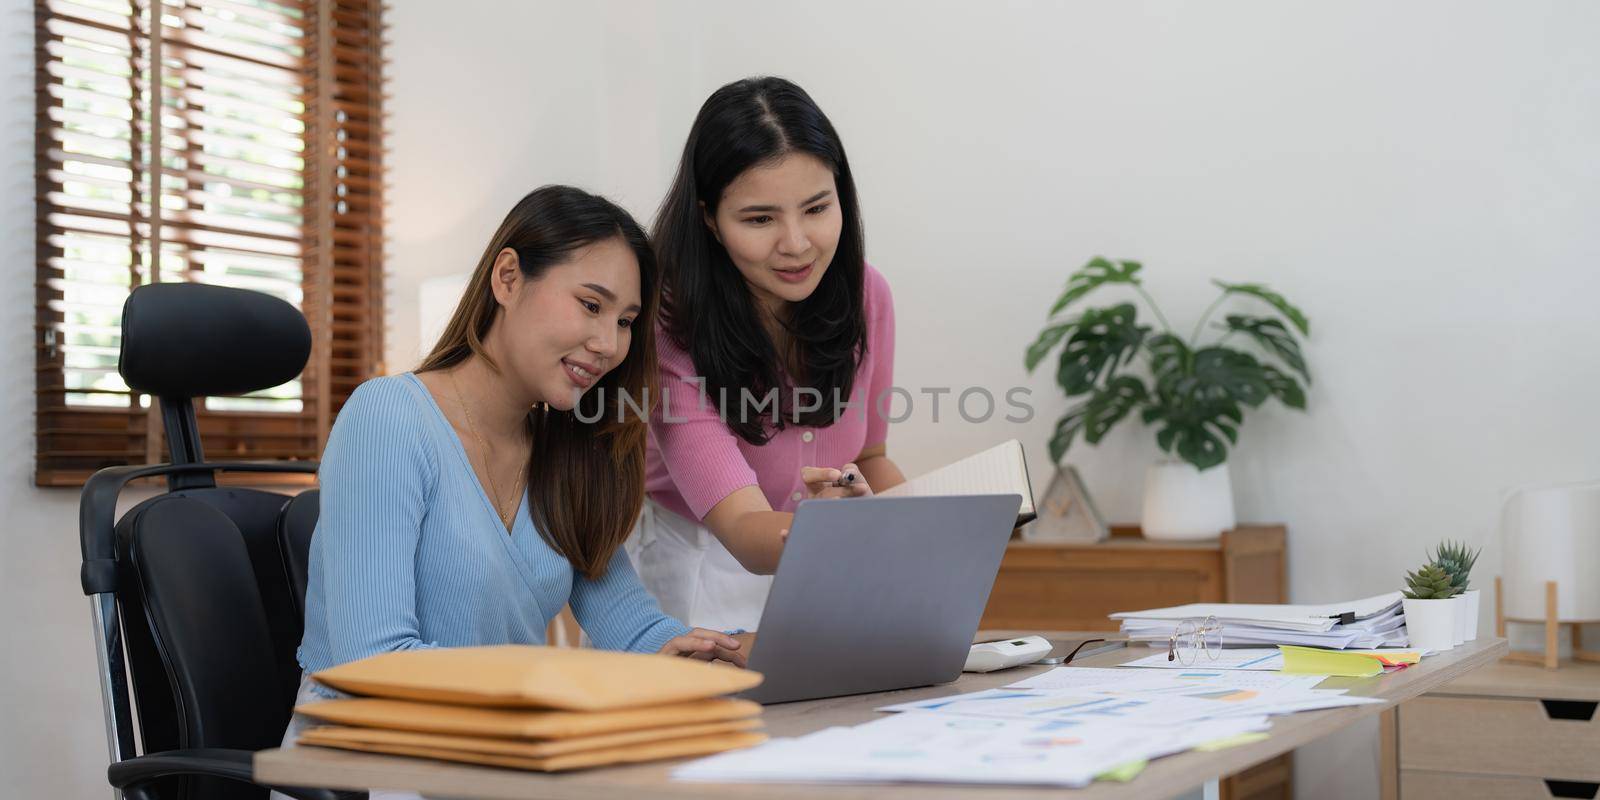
pixel 1194 390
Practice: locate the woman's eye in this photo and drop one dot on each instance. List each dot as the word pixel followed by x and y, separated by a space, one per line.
pixel 761 220
pixel 594 308
pixel 624 323
pixel 818 209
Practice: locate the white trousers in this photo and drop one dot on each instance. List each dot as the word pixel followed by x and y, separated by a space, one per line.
pixel 694 578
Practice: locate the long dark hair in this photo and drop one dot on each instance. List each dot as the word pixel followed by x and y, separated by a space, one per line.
pixel 585 480
pixel 707 308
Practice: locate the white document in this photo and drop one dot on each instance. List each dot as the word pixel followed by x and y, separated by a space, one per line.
pixel 948 748
pixel 1075 706
pixel 1001 469
pixel 1194 678
pixel 1082 678
pixel 1223 684
pixel 1275 704
pixel 1264 659
pixel 1287 617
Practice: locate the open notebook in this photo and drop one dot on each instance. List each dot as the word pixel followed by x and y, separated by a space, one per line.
pixel 1001 469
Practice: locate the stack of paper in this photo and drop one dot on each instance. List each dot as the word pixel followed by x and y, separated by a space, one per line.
pixel 1367 623
pixel 538 708
pixel 1063 728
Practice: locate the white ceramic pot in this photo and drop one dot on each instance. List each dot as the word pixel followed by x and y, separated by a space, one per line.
pixel 1181 502
pixel 1472 597
pixel 1430 624
pixel 1461 618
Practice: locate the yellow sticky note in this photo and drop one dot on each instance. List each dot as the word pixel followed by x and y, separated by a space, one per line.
pixel 1122 773
pixel 1230 741
pixel 1315 661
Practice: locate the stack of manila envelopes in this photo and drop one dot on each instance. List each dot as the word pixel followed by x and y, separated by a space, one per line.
pixel 537 708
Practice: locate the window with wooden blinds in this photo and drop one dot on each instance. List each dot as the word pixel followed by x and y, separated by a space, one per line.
pixel 267 152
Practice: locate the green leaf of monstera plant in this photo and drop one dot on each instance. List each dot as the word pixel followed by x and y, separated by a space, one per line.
pixel 1198 415
pixel 1098 272
pixel 1221 374
pixel 1066 428
pixel 1273 337
pixel 1104 340
pixel 1284 388
pixel 1047 340
pixel 1170 360
pixel 1096 415
pixel 1273 299
pixel 1201 436
pixel 1193 444
pixel 1110 404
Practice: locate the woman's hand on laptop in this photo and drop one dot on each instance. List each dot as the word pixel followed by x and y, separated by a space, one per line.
pixel 707 645
pixel 828 483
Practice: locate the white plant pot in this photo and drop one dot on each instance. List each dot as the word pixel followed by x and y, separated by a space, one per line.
pixel 1430 624
pixel 1461 618
pixel 1181 502
pixel 1473 598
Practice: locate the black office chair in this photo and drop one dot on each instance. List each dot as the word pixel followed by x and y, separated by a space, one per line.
pixel 198 593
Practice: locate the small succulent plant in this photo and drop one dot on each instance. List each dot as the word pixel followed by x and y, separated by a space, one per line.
pixel 1457 560
pixel 1431 582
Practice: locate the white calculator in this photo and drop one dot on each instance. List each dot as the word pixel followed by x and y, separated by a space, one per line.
pixel 990 656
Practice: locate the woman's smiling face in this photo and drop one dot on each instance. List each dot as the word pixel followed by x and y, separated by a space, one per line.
pixel 780 223
pixel 573 324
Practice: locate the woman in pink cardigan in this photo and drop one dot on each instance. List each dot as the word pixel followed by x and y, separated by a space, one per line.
pixel 776 358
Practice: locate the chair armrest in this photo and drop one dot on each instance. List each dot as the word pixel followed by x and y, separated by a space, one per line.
pixel 210 762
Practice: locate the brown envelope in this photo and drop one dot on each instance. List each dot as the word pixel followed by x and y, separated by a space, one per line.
pixel 626 754
pixel 409 715
pixel 520 747
pixel 528 676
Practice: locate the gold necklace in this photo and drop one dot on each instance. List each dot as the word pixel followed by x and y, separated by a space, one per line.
pixel 488 471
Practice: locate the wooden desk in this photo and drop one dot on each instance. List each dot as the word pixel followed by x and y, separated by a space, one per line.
pixel 1164 777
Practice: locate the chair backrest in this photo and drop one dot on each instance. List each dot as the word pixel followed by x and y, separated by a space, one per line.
pixel 295 526
pixel 193 590
pixel 214 663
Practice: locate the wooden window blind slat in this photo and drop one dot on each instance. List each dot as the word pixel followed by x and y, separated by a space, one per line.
pixel 269 169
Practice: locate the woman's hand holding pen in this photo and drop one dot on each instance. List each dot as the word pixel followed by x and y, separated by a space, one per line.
pixel 826 483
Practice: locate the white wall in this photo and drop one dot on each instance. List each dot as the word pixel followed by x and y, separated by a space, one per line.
pixel 52 742
pixel 1420 178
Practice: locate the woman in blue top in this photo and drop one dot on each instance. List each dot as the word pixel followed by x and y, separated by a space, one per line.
pixel 468 502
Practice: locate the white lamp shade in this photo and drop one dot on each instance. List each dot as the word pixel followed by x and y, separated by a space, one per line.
pixel 1552 533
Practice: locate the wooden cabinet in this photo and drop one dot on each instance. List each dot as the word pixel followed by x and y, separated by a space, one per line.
pixel 1505 731
pixel 1047 586
pixel 1074 587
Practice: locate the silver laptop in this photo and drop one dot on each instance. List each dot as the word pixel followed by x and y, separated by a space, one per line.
pixel 879 594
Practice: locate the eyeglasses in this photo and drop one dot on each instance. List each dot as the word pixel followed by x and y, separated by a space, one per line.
pixel 1194 636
